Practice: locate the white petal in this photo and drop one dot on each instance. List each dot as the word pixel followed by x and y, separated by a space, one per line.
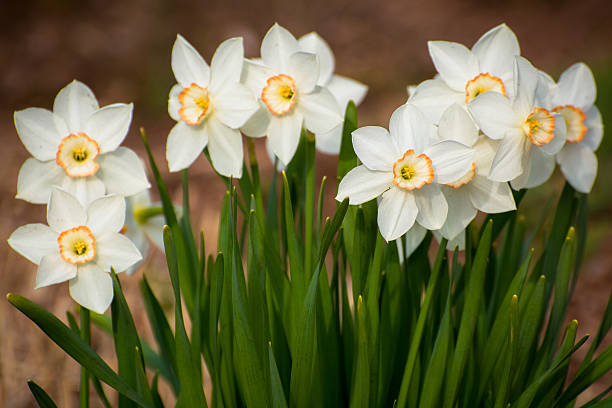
pixel 411 130
pixel 255 76
pixel 496 50
pixel 484 152
pixel 313 43
pixel 304 68
pixel 40 131
pixel 34 241
pixel 558 141
pixel 84 189
pixel 234 105
pixel 576 86
pixel 75 103
pixel 188 65
pixel 226 64
pixel 579 166
pixel 277 46
pixel 225 148
pixel 92 288
pixel 508 161
pixel 375 148
pixel 413 238
pixel 454 62
pixel 173 102
pixel 258 123
pixel 494 115
pixel 449 159
pixel 116 251
pixel 594 125
pixel 346 89
pixel 397 211
pixel 123 172
pixel 461 211
pixel 184 145
pixel 36 179
pixel 329 142
pixel 64 211
pixel 284 135
pixel 320 109
pixel 279 165
pixel 106 214
pixel 154 231
pixel 361 185
pixel 432 206
pixel 456 124
pixel 490 196
pixel 526 80
pixel 537 168
pixel 109 125
pixel 53 269
pixel 433 96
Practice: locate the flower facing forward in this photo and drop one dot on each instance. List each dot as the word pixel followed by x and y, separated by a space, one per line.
pixel 286 82
pixel 529 135
pixel 406 167
pixel 210 105
pixel 80 246
pixel 465 74
pixel 77 148
pixel 473 191
pixel 573 97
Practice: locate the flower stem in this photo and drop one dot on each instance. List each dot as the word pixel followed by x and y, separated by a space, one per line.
pixel 309 202
pixel 86 336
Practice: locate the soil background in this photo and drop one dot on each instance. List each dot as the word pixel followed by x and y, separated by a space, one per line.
pixel 121 49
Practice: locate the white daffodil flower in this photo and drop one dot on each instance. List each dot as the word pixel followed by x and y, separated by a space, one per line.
pixel 465 74
pixel 77 148
pixel 210 105
pixel 529 135
pixel 470 193
pixel 405 166
pixel 286 81
pixel 574 97
pixel 144 221
pixel 80 246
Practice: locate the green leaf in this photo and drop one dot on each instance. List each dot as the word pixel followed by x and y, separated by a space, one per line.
pixel 42 398
pixel 469 316
pixel 74 346
pixel 276 386
pixel 361 377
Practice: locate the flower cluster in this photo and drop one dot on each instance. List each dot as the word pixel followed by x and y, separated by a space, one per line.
pixel 80 170
pixel 487 119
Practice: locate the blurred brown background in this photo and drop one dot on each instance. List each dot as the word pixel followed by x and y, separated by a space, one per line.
pixel 122 51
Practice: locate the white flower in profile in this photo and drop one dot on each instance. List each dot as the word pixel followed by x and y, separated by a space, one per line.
pixel 406 167
pixel 473 191
pixel 286 81
pixel 144 221
pixel 529 135
pixel 210 105
pixel 465 74
pixel 80 246
pixel 77 148
pixel 574 98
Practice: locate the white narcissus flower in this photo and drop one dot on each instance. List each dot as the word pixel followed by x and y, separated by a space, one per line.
pixel 144 221
pixel 529 135
pixel 77 148
pixel 286 82
pixel 405 167
pixel 210 105
pixel 80 246
pixel 465 74
pixel 574 98
pixel 473 191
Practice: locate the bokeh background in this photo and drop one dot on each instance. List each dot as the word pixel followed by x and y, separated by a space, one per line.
pixel 121 49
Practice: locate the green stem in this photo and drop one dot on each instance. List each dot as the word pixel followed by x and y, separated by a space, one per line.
pixel 420 325
pixel 309 202
pixel 86 336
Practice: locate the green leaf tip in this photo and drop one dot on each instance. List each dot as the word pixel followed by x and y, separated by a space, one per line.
pixel 570 233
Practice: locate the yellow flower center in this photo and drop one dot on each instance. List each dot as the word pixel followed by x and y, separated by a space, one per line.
pixel 574 122
pixel 76 154
pixel 279 94
pixel 407 172
pixel 77 245
pixel 539 126
pixel 412 172
pixel 483 83
pixel 195 104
